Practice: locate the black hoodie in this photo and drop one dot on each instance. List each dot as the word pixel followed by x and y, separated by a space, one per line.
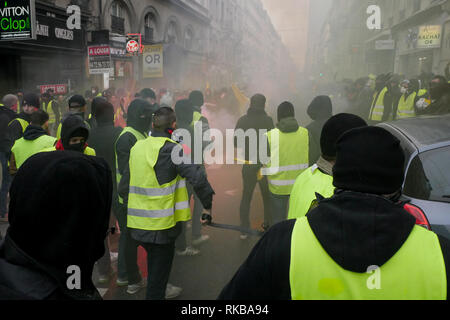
pixel 356 230
pixel 320 110
pixel 59 215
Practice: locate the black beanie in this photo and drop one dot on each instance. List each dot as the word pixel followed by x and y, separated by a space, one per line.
pixel 77 101
pixel 334 128
pixel 369 160
pixel 31 99
pixel 286 110
pixel 258 101
pixel 196 98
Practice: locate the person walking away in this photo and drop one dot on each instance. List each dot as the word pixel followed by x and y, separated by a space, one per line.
pixel 9 102
pixel 154 189
pixel 150 96
pixel 318 179
pixel 51 107
pixel 320 110
pixel 103 139
pixel 333 252
pixel 70 228
pixel 383 100
pixel 255 119
pixel 35 139
pixel 289 153
pixel 138 125
pixel 74 137
pixel 77 106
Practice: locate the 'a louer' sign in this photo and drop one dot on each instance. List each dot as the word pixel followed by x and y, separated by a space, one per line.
pixel 17 20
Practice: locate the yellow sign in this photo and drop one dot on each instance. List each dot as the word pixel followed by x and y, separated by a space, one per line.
pixel 153 61
pixel 429 37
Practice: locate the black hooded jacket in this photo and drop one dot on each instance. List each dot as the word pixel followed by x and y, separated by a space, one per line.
pixel 15 130
pixel 356 230
pixel 320 110
pixel 6 116
pixel 59 215
pixel 33 132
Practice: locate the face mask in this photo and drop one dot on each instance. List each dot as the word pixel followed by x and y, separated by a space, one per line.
pixel 78 147
pixel 403 90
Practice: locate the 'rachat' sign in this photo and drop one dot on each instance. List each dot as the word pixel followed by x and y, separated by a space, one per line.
pixel 17 20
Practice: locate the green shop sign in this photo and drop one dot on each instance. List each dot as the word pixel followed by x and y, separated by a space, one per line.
pixel 17 20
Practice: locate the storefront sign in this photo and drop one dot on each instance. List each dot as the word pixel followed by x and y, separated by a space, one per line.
pixel 153 62
pixel 429 37
pixel 53 32
pixel 56 88
pixel 385 45
pixel 99 59
pixel 17 20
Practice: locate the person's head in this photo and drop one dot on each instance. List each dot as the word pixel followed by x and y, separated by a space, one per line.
pixel 381 81
pixel 196 98
pixel 285 110
pixel 10 101
pixel 40 119
pixel 103 111
pixel 183 111
pixel 46 97
pixel 258 101
pixel 320 108
pixel 333 129
pixel 414 85
pixel 369 160
pixel 94 90
pixel 164 120
pixel 74 134
pixel 438 87
pixel 404 86
pixel 77 104
pixel 149 95
pixel 140 114
pixel 64 200
pixel 30 103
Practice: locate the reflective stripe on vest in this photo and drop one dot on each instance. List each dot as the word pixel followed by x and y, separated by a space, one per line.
pixel 88 151
pixel 152 206
pixel 406 107
pixel 292 151
pixel 377 111
pixel 306 186
pixel 49 109
pixel 24 149
pixel 415 272
pixel 139 136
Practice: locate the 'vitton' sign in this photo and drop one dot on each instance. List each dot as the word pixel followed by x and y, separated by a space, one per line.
pixel 17 20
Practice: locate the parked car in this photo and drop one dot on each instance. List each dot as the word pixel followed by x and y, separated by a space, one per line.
pixel 426 143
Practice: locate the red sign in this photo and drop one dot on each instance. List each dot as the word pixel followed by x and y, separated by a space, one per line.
pixel 99 51
pixel 57 88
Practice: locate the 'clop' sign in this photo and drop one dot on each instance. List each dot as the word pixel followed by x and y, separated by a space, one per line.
pixel 17 20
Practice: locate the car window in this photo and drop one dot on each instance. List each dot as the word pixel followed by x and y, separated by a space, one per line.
pixel 428 176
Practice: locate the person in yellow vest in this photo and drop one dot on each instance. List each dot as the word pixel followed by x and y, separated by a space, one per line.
pixel 154 188
pixel 50 106
pixel 35 139
pixel 74 137
pixel 383 99
pixel 17 127
pixel 318 179
pixel 289 150
pixel 359 245
pixel 406 107
pixel 77 106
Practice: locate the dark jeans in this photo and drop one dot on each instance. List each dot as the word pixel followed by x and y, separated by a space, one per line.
pixel 181 242
pixel 249 176
pixel 280 206
pixel 5 183
pixel 127 267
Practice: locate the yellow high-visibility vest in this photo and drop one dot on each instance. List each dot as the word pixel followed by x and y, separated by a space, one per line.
pixel 88 151
pixel 289 157
pixel 416 272
pixel 22 122
pixel 24 149
pixel 139 136
pixel 306 186
pixel 406 106
pixel 152 206
pixel 49 109
pixel 377 111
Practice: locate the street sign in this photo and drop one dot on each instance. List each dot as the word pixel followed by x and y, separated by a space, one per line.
pixel 17 20
pixel 429 37
pixel 153 61
pixel 57 88
pixel 385 45
pixel 99 59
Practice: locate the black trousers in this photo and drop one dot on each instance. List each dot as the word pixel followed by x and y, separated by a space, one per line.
pixel 250 179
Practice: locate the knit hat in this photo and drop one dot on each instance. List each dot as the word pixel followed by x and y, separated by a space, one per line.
pixel 196 98
pixel 369 160
pixel 31 99
pixel 334 128
pixel 320 108
pixel 258 101
pixel 77 101
pixel 286 110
